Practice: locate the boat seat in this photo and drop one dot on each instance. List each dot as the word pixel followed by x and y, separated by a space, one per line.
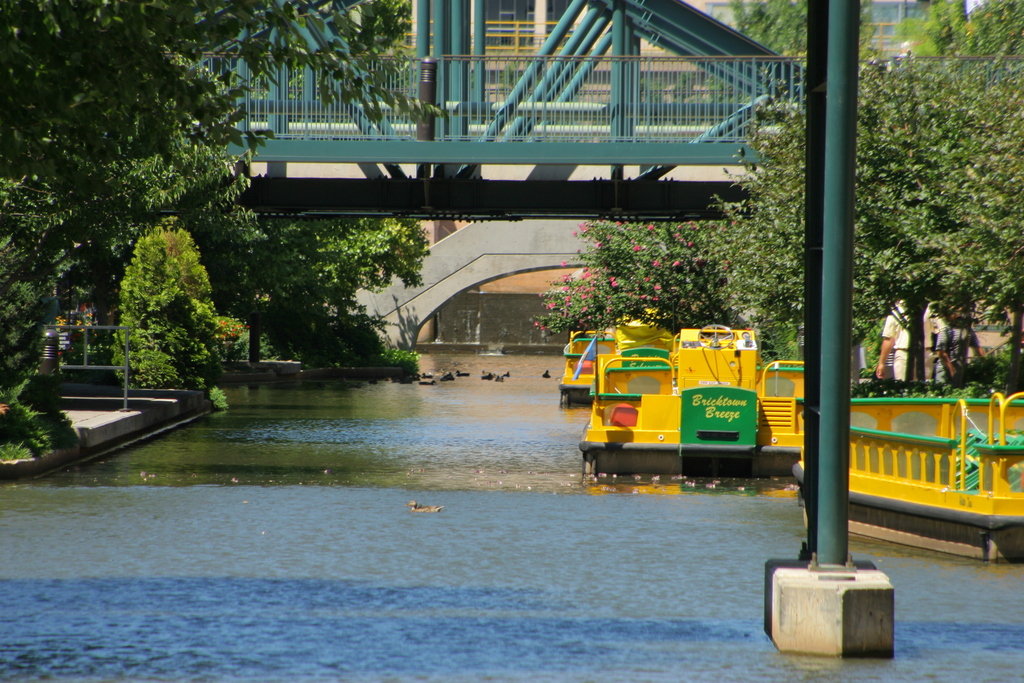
pixel 621 415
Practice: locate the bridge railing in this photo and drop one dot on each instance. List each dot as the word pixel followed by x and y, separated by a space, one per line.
pixel 540 99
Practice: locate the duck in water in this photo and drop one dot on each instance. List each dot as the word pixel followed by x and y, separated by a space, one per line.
pixel 416 507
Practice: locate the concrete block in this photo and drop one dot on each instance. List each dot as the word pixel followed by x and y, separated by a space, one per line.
pixel 841 613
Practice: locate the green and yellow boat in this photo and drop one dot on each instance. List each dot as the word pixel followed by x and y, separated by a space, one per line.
pixel 580 355
pixel 707 405
pixel 941 474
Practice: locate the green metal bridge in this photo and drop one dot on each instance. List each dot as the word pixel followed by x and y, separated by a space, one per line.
pixel 589 98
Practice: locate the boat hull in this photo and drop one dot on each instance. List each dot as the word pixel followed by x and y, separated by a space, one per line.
pixel 692 460
pixel 575 395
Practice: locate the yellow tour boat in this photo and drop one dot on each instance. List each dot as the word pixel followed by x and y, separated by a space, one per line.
pixel 707 405
pixel 937 473
pixel 580 356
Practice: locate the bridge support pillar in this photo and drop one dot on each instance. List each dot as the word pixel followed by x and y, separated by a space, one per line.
pixel 834 611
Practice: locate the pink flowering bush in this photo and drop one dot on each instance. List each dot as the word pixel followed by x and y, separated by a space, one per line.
pixel 657 272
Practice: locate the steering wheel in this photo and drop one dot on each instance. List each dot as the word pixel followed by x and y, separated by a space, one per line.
pixel 715 336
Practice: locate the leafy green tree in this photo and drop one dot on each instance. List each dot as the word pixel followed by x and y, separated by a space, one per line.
pixel 937 218
pixel 987 264
pixel 941 30
pixel 77 70
pixel 659 273
pixel 24 285
pixel 107 117
pixel 302 276
pixel 996 27
pixel 781 25
pixel 165 298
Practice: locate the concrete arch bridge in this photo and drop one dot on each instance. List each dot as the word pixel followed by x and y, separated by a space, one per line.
pixel 476 254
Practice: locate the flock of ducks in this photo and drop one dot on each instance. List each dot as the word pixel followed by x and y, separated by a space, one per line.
pixel 428 378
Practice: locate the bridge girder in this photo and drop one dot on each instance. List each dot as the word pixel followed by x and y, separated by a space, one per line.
pixel 476 199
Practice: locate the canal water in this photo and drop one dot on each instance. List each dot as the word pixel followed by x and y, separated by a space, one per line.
pixel 272 542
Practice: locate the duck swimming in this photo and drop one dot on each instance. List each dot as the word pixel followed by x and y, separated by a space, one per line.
pixel 416 507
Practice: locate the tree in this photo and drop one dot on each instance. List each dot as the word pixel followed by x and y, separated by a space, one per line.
pixel 936 217
pixel 302 276
pixel 659 273
pixel 781 25
pixel 995 27
pixel 108 115
pixel 76 71
pixel 988 267
pixel 940 32
pixel 165 299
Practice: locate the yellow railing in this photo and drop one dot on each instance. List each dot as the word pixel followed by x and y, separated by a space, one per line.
pixel 932 462
pixel 945 468
pixel 628 369
pixel 780 368
pixel 574 351
pixel 999 404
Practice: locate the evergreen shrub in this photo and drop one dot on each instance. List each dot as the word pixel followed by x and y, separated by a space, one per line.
pixel 165 298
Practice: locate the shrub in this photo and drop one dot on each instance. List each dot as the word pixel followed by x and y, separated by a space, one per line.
pixel 409 361
pixel 165 298
pixel 31 421
pixel 218 398
pixel 14 451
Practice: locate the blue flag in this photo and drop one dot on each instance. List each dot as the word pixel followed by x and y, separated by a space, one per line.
pixel 590 354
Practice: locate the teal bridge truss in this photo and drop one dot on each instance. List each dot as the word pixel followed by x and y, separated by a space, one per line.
pixel 588 98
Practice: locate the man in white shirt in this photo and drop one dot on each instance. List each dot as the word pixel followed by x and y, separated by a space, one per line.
pixel 895 341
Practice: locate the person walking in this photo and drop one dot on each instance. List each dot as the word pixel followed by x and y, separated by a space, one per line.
pixel 895 343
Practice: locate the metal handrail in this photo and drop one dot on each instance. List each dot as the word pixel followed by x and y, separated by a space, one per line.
pixel 86 365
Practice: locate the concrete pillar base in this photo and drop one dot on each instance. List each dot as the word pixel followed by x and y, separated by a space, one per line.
pixel 839 612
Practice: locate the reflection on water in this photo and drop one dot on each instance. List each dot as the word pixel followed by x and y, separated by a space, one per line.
pixel 272 542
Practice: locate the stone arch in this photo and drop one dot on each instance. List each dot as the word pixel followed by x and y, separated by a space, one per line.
pixel 474 255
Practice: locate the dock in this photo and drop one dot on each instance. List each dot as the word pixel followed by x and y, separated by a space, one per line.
pixel 102 423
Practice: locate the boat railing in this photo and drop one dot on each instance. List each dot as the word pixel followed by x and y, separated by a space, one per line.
pixel 924 468
pixel 998 406
pixel 575 350
pixel 926 461
pixel 640 375
pixel 775 373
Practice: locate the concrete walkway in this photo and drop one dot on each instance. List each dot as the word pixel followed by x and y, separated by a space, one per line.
pixel 102 423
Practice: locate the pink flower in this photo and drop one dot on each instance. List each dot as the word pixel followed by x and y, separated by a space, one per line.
pixel 637 247
pixel 677 263
pixel 656 263
pixel 657 288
